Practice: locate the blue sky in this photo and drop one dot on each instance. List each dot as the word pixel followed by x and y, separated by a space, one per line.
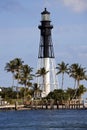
pixel 20 36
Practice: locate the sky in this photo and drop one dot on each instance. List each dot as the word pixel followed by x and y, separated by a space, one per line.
pixel 20 36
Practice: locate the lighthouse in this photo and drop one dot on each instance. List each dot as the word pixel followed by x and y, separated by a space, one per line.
pixel 46 59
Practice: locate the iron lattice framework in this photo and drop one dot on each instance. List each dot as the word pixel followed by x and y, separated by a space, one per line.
pixel 46 51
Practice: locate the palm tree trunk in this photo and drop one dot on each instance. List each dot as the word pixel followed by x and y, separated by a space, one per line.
pixel 17 89
pixel 62 81
pixel 78 83
pixel 12 81
pixel 75 95
pixel 25 94
pixel 75 84
pixel 44 83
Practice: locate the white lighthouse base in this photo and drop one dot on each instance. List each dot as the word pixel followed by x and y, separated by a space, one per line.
pixel 50 80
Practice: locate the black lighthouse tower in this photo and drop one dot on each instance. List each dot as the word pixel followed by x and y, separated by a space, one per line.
pixel 46 55
pixel 46 46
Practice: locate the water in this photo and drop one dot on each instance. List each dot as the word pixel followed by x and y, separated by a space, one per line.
pixel 43 120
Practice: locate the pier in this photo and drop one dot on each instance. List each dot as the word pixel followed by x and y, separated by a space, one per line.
pixel 36 104
pixel 11 107
pixel 56 106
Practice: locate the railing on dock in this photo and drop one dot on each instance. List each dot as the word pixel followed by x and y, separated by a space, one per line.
pixel 35 104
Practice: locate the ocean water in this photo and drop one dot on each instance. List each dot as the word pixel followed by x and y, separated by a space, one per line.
pixel 43 120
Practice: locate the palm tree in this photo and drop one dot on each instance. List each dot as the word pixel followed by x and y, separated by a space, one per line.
pixel 14 66
pixel 26 76
pixel 72 72
pixel 62 69
pixel 42 72
pixel 10 67
pixel 17 63
pixel 78 73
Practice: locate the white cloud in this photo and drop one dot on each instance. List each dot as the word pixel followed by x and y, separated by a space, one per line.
pixel 76 5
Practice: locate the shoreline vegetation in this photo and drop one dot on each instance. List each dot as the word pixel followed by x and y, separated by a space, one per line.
pixel 28 94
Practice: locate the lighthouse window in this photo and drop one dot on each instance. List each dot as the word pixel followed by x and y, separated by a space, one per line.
pixel 45 17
